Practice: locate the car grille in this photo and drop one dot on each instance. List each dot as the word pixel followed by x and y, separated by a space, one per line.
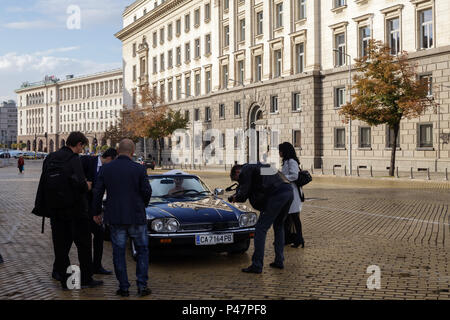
pixel 209 226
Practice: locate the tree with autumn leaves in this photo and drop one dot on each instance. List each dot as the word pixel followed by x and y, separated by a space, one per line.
pixel 151 119
pixel 387 89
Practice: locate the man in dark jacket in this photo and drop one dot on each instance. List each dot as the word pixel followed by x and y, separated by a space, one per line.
pixel 128 194
pixel 91 167
pixel 270 192
pixel 61 196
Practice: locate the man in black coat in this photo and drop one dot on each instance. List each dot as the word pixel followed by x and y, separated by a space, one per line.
pixel 61 196
pixel 91 167
pixel 270 192
pixel 128 194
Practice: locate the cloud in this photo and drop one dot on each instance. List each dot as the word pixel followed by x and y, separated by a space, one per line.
pixel 25 25
pixel 18 68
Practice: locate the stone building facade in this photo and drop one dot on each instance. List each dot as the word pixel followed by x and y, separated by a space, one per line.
pixel 281 67
pixel 8 123
pixel 49 110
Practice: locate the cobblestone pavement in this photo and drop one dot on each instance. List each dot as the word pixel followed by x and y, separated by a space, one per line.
pixel 348 226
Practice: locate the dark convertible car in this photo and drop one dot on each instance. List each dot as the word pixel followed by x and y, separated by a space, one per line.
pixel 185 214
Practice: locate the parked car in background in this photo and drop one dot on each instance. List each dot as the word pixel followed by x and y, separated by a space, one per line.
pixel 29 155
pixel 16 153
pixel 5 155
pixel 150 164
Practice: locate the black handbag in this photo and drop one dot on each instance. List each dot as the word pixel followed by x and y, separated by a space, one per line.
pixel 303 178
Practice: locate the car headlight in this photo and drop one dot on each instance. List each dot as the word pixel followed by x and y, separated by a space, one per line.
pixel 157 225
pixel 172 225
pixel 248 219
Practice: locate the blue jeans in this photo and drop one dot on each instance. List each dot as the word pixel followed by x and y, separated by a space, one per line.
pixel 274 213
pixel 119 235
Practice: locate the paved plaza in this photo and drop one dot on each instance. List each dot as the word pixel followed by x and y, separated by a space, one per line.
pixel 348 226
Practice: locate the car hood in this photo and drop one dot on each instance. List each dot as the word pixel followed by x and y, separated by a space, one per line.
pixel 209 209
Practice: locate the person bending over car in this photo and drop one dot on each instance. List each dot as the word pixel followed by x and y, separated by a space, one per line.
pixel 271 193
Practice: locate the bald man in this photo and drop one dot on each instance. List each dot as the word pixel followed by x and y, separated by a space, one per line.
pixel 128 194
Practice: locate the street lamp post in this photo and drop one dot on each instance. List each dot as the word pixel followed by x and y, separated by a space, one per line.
pixel 349 101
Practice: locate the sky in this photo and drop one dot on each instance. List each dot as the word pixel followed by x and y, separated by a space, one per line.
pixel 57 37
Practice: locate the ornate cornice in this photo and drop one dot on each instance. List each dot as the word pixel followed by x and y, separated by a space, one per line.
pixel 159 12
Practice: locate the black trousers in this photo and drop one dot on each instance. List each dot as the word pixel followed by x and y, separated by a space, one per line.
pixel 99 234
pixel 66 231
pixel 293 229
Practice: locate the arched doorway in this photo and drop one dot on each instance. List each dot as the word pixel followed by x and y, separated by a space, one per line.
pixel 51 146
pixel 63 143
pixel 254 137
pixel 34 145
pixel 28 145
pixel 41 145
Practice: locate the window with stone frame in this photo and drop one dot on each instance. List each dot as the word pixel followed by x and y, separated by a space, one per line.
pixel 258 68
pixel 226 36
pixel 277 63
pixel 299 57
pixel 208 44
pixel 207 114
pixel 208 81
pixel 426 29
pixel 365 137
pixel 187 22
pixel 364 34
pixel 187 52
pixel 187 85
pixel 240 71
pixel 198 85
pixel 242 30
pixel 425 135
pixel 340 49
pixel 178 53
pixel 170 59
pixel 428 80
pixel 237 108
pixel 197 48
pixel 197 18
pixel 339 97
pixel 224 74
pixel 196 114
pixel 296 102
pixel 278 12
pixel 259 23
pixel 178 83
pixel 161 36
pixel 339 138
pixel 207 12
pixel 169 31
pixel 393 34
pixel 178 27
pixel 274 104
pixel 221 111
pixel 300 10
pixel 296 138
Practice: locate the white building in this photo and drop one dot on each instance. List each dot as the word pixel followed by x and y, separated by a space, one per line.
pixel 8 123
pixel 49 110
pixel 281 67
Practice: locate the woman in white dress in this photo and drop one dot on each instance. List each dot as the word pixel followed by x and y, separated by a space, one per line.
pixel 291 170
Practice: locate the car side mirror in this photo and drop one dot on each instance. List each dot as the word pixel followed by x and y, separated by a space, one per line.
pixel 219 192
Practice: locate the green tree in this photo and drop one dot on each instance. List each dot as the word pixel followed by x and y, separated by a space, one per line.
pixel 387 90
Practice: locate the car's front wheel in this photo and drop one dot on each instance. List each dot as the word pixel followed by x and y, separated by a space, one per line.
pixel 240 247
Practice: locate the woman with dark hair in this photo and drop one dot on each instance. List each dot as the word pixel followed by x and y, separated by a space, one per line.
pixel 291 170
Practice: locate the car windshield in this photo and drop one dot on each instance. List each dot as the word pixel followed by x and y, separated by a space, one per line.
pixel 177 186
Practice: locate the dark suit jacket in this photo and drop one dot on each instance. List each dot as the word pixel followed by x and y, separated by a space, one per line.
pixel 89 164
pixel 128 192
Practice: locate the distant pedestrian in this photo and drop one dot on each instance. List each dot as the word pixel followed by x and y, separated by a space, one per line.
pixel 21 164
pixel 291 170
pixel 61 196
pixel 128 193
pixel 91 167
pixel 271 193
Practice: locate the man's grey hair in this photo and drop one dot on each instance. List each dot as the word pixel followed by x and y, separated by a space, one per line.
pixel 126 146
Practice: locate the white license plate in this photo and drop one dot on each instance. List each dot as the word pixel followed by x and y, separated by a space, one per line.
pixel 211 239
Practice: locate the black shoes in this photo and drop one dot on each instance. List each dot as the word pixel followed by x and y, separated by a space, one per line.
pixel 102 270
pixel 301 243
pixel 123 293
pixel 276 265
pixel 142 292
pixel 91 284
pixel 251 269
pixel 1 259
